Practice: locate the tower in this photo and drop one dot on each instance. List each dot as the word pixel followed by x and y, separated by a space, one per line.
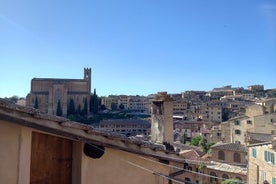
pixel 87 77
pixel 162 119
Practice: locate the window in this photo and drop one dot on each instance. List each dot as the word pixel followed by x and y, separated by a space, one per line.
pixel 221 155
pixel 225 176
pixel 237 132
pixel 254 152
pixel 187 180
pixel 273 180
pixel 237 157
pixel 249 122
pixel 269 157
pixel 263 176
pixel 237 122
pixel 186 165
pixel 213 178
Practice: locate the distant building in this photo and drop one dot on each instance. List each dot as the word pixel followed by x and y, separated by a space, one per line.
pixel 133 103
pixel 231 153
pixel 204 168
pixel 211 113
pixel 46 93
pixel 257 90
pixel 128 127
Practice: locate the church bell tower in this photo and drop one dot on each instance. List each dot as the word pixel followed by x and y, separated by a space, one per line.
pixel 87 77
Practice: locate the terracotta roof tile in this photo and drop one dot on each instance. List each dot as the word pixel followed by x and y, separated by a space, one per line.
pixel 230 147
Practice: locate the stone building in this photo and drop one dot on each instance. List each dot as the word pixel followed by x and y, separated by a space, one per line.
pixel 261 166
pixel 128 127
pixel 47 93
pixel 231 153
pixel 255 120
pixel 202 168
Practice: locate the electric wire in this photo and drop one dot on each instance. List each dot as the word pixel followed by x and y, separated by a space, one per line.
pixel 163 175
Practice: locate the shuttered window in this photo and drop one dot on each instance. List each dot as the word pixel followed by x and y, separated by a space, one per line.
pixel 254 153
pixel 269 157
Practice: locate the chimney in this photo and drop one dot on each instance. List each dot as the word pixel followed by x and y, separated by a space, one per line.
pixel 162 119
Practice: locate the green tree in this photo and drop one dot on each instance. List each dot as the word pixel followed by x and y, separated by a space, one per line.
pixel 36 103
pixel 209 147
pixel 84 111
pixel 71 108
pixel 14 98
pixel 113 106
pixel 183 140
pixel 195 140
pixel 203 144
pixel 79 109
pixel 121 106
pixel 94 103
pixel 59 109
pixel 102 107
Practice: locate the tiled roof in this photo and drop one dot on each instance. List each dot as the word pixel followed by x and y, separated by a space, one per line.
pixel 259 137
pixel 227 168
pixel 30 117
pixel 192 154
pixel 230 147
pixel 185 147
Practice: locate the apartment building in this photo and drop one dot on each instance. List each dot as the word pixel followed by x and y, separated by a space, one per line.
pixel 133 103
pixel 261 165
pixel 128 127
pixel 255 120
pixel 215 168
pixel 257 90
pixel 110 101
pixel 138 104
pixel 211 113
pixel 180 107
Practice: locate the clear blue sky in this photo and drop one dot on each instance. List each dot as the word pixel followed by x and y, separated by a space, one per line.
pixel 138 46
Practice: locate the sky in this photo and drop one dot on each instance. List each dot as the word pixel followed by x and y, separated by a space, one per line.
pixel 138 47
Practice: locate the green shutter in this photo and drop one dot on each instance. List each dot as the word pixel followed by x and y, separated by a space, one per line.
pixel 265 155
pixel 272 158
pixel 254 153
pixel 273 180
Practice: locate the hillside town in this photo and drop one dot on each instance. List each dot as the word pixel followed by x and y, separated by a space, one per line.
pixel 225 135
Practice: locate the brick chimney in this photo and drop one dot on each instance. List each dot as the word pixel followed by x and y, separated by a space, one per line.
pixel 162 119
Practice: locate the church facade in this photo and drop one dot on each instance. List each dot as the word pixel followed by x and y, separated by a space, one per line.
pixel 49 94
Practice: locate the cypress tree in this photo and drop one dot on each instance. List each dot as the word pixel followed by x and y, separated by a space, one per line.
pixel 85 107
pixel 71 108
pixel 59 109
pixel 94 103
